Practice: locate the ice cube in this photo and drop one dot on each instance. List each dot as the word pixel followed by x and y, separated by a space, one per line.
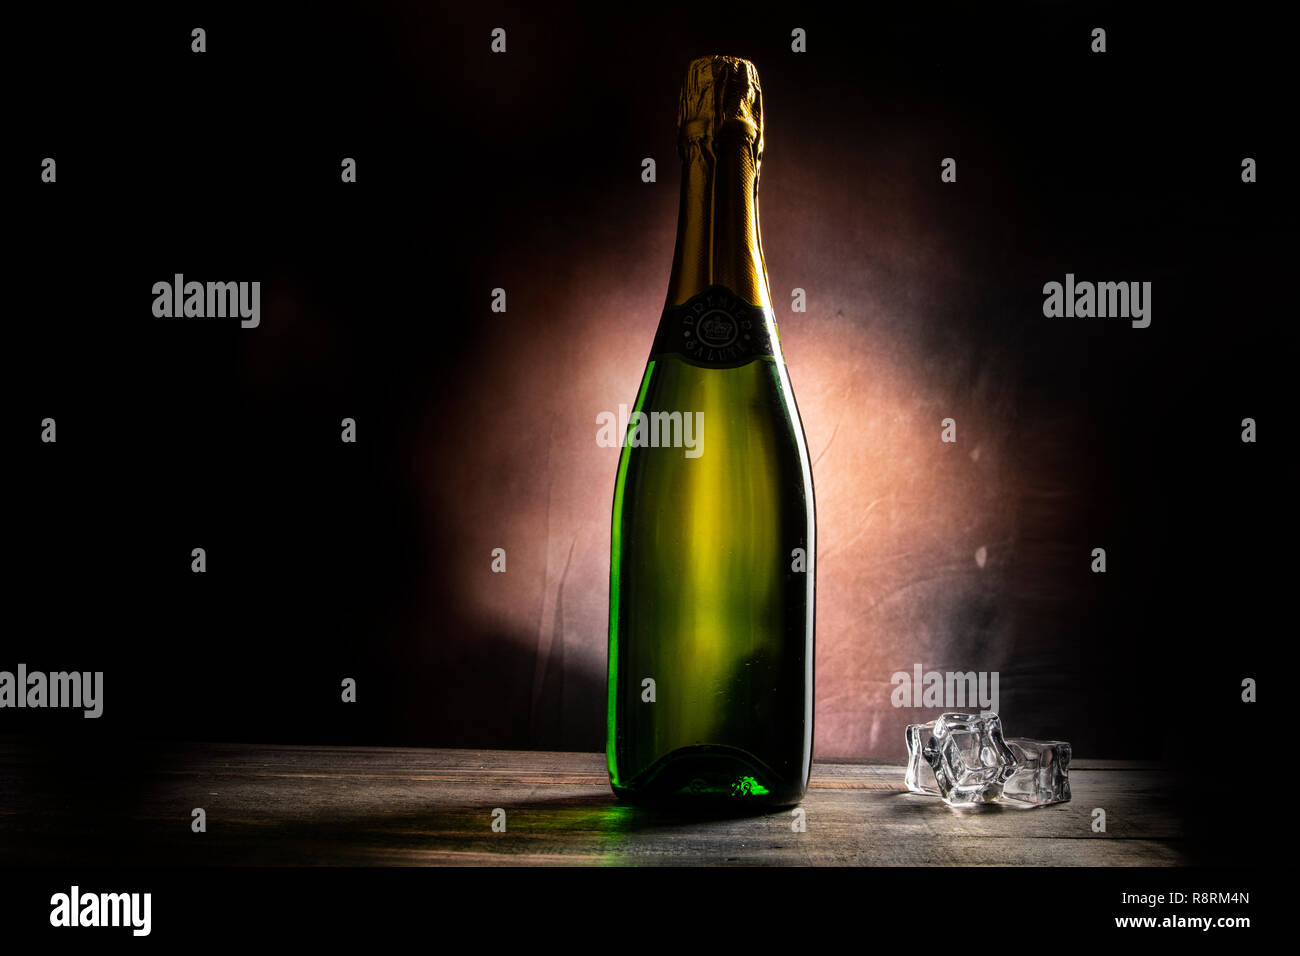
pixel 968 757
pixel 919 778
pixel 1042 773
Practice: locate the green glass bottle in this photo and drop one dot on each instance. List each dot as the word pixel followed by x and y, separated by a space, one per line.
pixel 712 560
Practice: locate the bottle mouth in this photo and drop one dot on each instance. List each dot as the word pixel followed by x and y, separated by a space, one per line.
pixel 721 97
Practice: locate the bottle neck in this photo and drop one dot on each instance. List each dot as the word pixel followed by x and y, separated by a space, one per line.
pixel 718 238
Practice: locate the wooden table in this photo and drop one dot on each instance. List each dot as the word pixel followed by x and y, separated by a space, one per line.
pixel 405 806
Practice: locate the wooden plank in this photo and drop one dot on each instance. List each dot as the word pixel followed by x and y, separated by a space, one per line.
pixel 407 806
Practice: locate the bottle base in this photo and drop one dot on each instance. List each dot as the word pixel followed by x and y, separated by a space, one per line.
pixel 715 779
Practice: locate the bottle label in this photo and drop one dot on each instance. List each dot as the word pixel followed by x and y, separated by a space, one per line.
pixel 714 329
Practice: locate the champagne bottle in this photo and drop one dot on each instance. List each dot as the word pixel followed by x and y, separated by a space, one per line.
pixel 713 540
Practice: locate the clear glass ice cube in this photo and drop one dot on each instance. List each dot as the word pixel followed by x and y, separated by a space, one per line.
pixel 968 760
pixel 920 778
pixel 1042 774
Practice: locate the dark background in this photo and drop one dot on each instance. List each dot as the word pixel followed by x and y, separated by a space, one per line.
pixel 329 560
